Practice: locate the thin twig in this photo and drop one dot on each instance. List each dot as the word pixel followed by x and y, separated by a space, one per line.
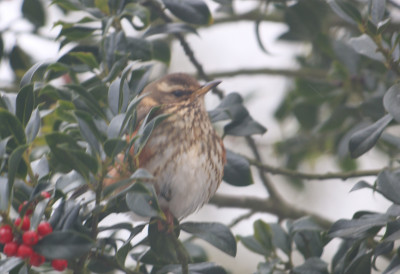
pixel 281 210
pixel 241 218
pixel 314 176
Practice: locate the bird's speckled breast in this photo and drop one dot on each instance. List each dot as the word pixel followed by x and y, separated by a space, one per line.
pixel 191 156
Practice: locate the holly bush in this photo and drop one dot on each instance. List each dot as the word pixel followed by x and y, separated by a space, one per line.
pixel 63 124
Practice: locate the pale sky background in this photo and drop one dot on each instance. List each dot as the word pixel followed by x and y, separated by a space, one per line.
pixel 226 47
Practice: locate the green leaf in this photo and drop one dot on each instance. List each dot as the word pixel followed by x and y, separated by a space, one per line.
pixel 388 185
pixel 147 128
pixel 237 170
pixel 312 266
pixel 4 194
pixel 199 268
pixel 64 245
pixel 364 45
pixel 14 165
pixel 142 200
pixel 280 238
pixel 263 234
pixel 214 233
pixel 164 245
pixel 38 213
pixel 137 11
pixel 89 100
pixel 194 11
pixel 169 28
pixel 8 264
pixel 76 159
pixel 114 146
pixel 88 130
pixel 127 246
pixel 366 138
pixel 355 227
pixel 33 126
pixel 87 58
pixel 33 11
pixel 391 101
pixel 28 76
pixel 252 244
pixel 304 224
pixel 346 11
pixel 377 11
pixel 161 51
pixel 242 124
pixel 118 96
pixel 24 104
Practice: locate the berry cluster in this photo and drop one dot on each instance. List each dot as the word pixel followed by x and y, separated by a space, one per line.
pixel 19 240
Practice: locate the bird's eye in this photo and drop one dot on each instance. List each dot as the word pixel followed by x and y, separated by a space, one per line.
pixel 179 93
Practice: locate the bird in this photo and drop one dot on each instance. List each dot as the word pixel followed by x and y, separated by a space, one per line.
pixel 184 153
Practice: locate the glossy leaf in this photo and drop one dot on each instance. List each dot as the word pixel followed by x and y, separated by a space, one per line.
pixel 312 265
pixel 142 200
pixel 194 11
pixel 214 233
pixel 33 126
pixel 28 76
pixel 25 103
pixel 388 185
pixel 38 213
pixel 138 11
pixel 237 170
pixel 11 126
pixel 345 10
pixel 14 164
pixel 9 264
pixel 377 10
pixel 252 244
pixel 366 138
pixel 87 58
pixel 391 101
pixel 114 146
pixel 199 268
pixel 263 234
pixel 366 46
pixel 64 245
pixel 147 128
pixel 118 95
pixel 88 130
pixel 34 11
pixel 354 228
pixel 4 194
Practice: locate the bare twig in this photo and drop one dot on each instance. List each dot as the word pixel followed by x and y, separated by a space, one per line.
pixel 314 176
pixel 281 210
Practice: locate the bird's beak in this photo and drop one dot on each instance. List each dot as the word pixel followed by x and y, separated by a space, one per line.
pixel 206 88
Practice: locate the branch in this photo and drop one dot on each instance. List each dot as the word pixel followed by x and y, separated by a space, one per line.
pixel 314 176
pixel 313 74
pixel 281 210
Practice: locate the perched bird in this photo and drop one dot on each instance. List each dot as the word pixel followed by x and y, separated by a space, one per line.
pixel 184 153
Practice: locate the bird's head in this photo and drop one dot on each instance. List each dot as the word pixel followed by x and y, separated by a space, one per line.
pixel 175 89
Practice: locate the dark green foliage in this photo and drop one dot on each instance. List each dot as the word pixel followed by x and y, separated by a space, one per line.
pixel 64 127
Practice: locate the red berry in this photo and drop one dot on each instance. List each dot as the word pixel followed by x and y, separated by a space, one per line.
pixel 36 259
pixel 44 228
pixel 6 234
pixel 59 264
pixel 26 223
pixel 45 194
pixel 28 211
pixel 30 237
pixel 24 251
pixel 10 249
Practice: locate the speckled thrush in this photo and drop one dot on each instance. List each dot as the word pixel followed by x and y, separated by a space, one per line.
pixel 184 153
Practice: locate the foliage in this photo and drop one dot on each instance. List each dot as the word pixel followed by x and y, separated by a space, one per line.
pixel 64 126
